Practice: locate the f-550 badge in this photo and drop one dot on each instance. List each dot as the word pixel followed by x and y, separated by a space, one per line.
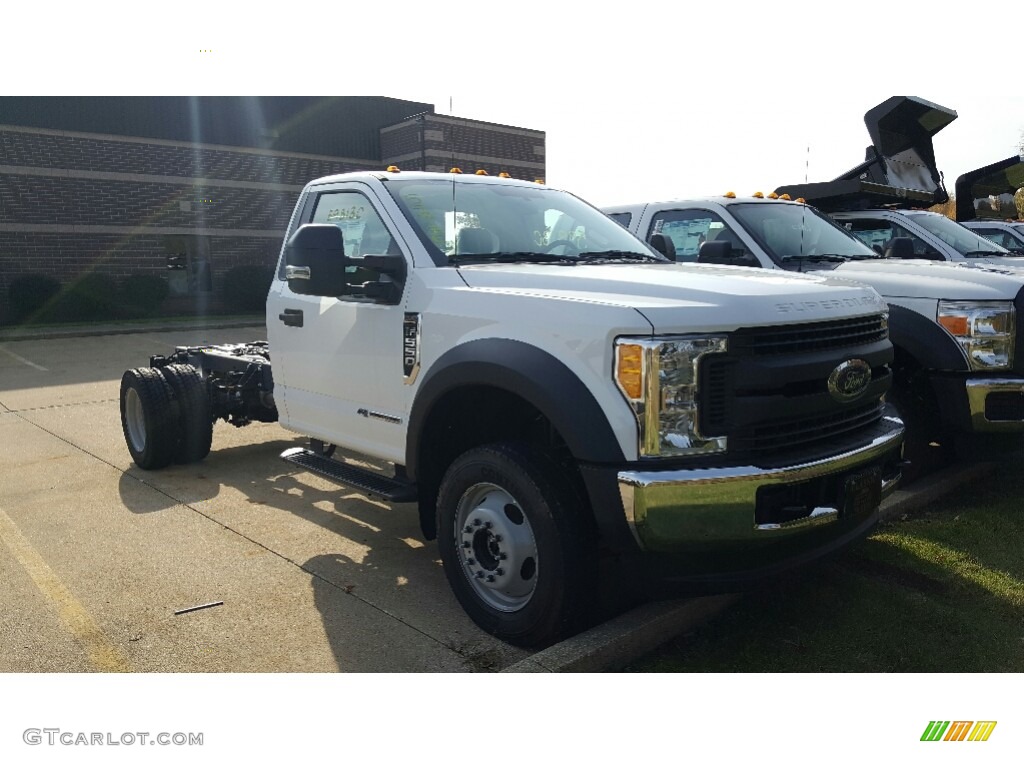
pixel 411 346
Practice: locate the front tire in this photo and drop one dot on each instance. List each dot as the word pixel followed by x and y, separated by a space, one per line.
pixel 515 548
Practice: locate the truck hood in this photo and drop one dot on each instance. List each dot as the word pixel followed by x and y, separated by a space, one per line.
pixel 681 298
pixel 1013 264
pixel 926 279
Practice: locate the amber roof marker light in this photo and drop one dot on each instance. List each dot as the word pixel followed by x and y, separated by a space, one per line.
pixel 394 169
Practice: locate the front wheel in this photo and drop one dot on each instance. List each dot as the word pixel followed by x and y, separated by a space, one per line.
pixel 515 547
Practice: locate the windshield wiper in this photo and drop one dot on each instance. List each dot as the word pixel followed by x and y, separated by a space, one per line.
pixel 818 257
pixel 620 256
pixel 976 254
pixel 510 257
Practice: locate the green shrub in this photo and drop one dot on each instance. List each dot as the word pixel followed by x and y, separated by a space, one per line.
pixel 28 295
pixel 143 294
pixel 92 296
pixel 245 288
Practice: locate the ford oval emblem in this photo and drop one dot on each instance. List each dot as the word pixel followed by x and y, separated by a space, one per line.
pixel 849 380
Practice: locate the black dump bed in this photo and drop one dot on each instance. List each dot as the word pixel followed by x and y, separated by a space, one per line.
pixel 993 192
pixel 899 167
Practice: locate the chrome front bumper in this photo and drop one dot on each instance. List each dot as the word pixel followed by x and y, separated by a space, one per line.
pixel 978 391
pixel 672 511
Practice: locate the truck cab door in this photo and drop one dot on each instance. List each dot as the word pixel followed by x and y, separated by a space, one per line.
pixel 330 353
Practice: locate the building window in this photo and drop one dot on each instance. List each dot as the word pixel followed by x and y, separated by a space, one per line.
pixel 188 264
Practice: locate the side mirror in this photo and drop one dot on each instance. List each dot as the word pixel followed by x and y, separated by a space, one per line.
pixel 900 248
pixel 316 265
pixel 721 252
pixel 315 261
pixel 664 246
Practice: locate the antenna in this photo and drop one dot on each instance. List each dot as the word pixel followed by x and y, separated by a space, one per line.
pixel 803 209
pixel 455 207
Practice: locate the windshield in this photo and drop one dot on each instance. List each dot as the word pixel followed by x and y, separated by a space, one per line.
pixel 796 231
pixel 958 237
pixel 473 222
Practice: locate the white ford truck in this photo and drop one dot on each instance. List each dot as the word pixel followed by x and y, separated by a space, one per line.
pixel 553 394
pixel 959 366
pixel 953 304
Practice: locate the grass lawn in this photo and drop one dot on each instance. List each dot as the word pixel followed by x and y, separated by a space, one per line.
pixel 940 591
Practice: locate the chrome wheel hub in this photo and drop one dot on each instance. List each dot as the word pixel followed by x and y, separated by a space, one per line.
pixel 497 548
pixel 135 420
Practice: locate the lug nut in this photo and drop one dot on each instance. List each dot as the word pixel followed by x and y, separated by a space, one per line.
pixel 497 537
pixel 490 578
pixel 470 561
pixel 500 571
pixel 488 525
pixel 476 521
pixel 468 529
pixel 479 574
pixel 502 556
pixel 466 545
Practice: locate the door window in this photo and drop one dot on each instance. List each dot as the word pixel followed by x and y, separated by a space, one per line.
pixel 690 229
pixel 360 224
pixel 878 233
pixel 999 237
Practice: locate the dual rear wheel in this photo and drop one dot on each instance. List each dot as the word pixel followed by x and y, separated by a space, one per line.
pixel 165 415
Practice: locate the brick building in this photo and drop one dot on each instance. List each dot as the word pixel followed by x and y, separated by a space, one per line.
pixel 188 188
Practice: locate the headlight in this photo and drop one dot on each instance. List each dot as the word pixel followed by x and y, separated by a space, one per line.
pixel 984 329
pixel 659 380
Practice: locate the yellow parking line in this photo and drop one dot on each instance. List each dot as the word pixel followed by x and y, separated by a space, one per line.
pixel 103 655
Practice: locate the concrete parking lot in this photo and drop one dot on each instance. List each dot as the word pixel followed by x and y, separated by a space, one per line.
pixel 96 555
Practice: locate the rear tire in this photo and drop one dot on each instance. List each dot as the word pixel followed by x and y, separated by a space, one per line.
pixel 149 418
pixel 195 419
pixel 516 550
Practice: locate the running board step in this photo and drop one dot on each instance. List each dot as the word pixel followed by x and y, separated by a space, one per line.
pixel 378 486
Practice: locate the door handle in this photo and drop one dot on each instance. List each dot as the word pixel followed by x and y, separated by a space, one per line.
pixel 291 317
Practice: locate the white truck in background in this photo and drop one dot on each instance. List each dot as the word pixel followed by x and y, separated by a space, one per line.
pixel 552 394
pixel 959 360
